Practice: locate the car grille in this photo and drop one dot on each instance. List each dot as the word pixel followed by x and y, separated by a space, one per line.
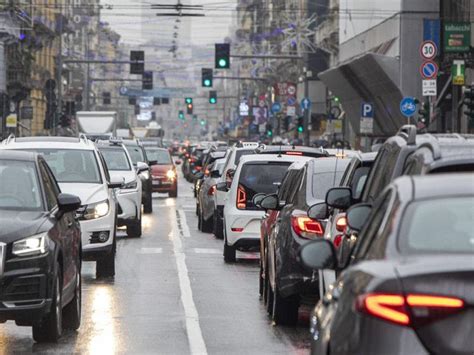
pixel 3 249
pixel 24 288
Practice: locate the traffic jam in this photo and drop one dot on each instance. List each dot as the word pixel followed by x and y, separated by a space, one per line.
pixel 320 250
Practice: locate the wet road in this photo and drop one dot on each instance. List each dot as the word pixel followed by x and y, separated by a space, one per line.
pixel 172 294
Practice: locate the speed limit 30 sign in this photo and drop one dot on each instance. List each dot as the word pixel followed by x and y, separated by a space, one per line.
pixel 428 50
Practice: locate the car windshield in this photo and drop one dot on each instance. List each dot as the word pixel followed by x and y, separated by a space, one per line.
pixel 116 159
pixel 136 153
pixel 161 156
pixel 439 226
pixel 19 187
pixel 72 166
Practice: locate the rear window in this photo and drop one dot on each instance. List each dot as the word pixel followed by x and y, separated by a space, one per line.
pixel 240 153
pixel 260 178
pixel 439 226
pixel 116 159
pixel 322 182
pixel 136 154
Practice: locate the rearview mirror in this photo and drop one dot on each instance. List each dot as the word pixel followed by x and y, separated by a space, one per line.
pixel 270 202
pixel 357 216
pixel 215 174
pixel 68 203
pixel 339 197
pixel 222 186
pixel 257 199
pixel 230 174
pixel 318 255
pixel 115 183
pixel 318 211
pixel 141 167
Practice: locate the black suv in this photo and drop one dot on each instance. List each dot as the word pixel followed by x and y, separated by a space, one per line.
pixel 138 154
pixel 40 248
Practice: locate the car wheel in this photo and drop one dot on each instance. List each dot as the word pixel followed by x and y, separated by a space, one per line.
pixel 229 252
pixel 261 280
pixel 197 209
pixel 134 229
pixel 268 296
pixel 148 205
pixel 218 229
pixel 173 193
pixel 206 225
pixel 50 328
pixel 285 309
pixel 72 312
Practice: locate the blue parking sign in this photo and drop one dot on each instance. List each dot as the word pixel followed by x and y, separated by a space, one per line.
pixel 367 110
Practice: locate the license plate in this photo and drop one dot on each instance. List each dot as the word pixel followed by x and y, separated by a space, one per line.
pixel 156 182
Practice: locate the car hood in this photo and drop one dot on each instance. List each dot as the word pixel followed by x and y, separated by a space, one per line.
pixel 88 193
pixel 20 224
pixel 127 176
pixel 160 169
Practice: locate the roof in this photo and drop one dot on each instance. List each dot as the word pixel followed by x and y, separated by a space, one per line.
pixel 47 143
pixel 299 163
pixel 428 186
pixel 368 157
pixel 271 157
pixel 17 155
pixel 330 164
pixel 275 149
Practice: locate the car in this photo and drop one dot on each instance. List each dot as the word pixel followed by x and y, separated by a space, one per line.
pixel 163 171
pixel 129 194
pixel 138 154
pixel 407 288
pixel 80 170
pixel 40 248
pixel 292 150
pixel 210 155
pixel 286 282
pixel 232 159
pixel 258 173
pixel 206 193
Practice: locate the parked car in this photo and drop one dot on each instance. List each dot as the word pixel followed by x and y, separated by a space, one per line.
pixel 40 248
pixel 287 281
pixel 129 195
pixel 138 154
pixel 163 172
pixel 80 170
pixel 255 174
pixel 407 288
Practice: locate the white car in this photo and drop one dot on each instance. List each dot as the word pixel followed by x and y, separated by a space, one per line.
pixel 259 173
pixel 232 159
pixel 80 170
pixel 129 195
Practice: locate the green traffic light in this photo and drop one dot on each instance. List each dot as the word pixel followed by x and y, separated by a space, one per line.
pixel 207 82
pixel 203 122
pixel 188 100
pixel 212 100
pixel 222 62
pixel 300 129
pixel 269 133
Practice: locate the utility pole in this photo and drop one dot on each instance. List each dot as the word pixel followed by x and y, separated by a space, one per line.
pixel 59 74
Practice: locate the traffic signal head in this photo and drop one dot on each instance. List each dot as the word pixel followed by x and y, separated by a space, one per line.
pixel 189 109
pixel 469 101
pixel 106 98
pixel 188 100
pixel 213 97
pixel 222 56
pixel 203 122
pixel 207 76
pixel 300 127
pixel 269 129
pixel 181 115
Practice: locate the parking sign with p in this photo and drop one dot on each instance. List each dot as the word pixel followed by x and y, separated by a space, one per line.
pixel 367 110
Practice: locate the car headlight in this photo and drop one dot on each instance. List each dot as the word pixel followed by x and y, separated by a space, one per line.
pixel 34 245
pixel 170 174
pixel 130 185
pixel 96 210
pixel 145 174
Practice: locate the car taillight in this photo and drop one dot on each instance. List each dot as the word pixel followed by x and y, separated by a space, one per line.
pixel 341 223
pixel 212 190
pixel 206 172
pixel 241 198
pixel 338 240
pixel 294 153
pixel 238 230
pixel 411 309
pixel 306 227
pixel 198 168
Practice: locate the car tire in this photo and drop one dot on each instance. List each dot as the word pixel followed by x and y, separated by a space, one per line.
pixel 206 225
pixel 197 209
pixel 148 205
pixel 134 229
pixel 229 252
pixel 261 281
pixel 105 266
pixel 218 229
pixel 285 309
pixel 268 299
pixel 50 328
pixel 173 193
pixel 72 312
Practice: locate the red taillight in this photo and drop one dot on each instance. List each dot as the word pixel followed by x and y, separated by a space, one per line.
pixel 341 223
pixel 237 230
pixel 212 190
pixel 241 198
pixel 294 153
pixel 338 240
pixel 186 155
pixel 206 172
pixel 306 227
pixel 396 308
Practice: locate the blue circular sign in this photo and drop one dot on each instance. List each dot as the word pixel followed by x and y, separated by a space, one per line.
pixel 305 103
pixel 276 107
pixel 291 101
pixel 408 106
pixel 429 70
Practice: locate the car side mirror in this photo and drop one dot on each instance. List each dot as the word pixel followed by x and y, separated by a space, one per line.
pixel 257 199
pixel 318 255
pixel 141 167
pixel 215 174
pixel 115 183
pixel 339 197
pixel 357 216
pixel 230 174
pixel 318 211
pixel 222 186
pixel 178 162
pixel 270 202
pixel 152 162
pixel 68 203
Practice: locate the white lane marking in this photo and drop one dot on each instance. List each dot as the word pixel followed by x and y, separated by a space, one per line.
pixel 189 206
pixel 207 251
pixel 193 329
pixel 150 251
pixel 182 224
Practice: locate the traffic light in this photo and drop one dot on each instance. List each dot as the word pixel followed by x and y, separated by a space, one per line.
pixel 300 124
pixel 424 113
pixel 147 80
pixel 137 109
pixel 222 56
pixel 106 100
pixel 213 97
pixel 189 109
pixel 181 115
pixel 203 122
pixel 469 103
pixel 207 76
pixel 188 100
pixel 137 62
pixel 269 130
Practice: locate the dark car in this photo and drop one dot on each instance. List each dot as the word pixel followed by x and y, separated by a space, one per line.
pixel 138 154
pixel 163 171
pixel 287 281
pixel 40 248
pixel 408 288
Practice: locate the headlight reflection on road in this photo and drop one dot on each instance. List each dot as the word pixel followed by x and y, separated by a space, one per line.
pixel 146 222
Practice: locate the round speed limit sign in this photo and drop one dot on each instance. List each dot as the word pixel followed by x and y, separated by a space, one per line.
pixel 428 50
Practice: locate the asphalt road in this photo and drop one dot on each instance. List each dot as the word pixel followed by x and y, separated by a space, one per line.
pixel 172 294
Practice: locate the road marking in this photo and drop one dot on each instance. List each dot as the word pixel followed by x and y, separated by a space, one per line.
pixel 207 251
pixel 150 251
pixel 193 329
pixel 182 225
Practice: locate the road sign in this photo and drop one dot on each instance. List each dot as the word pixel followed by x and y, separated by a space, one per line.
pixel 408 106
pixel 366 118
pixel 291 90
pixel 367 109
pixel 429 87
pixel 11 120
pixel 290 110
pixel 305 103
pixel 243 109
pixel 291 101
pixel 428 50
pixel 458 71
pixel 276 107
pixel 429 70
pixel 261 103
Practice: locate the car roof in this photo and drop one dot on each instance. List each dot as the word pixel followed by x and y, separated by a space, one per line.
pixel 47 142
pixel 299 163
pixel 275 149
pixel 271 157
pixel 368 157
pixel 329 164
pixel 18 155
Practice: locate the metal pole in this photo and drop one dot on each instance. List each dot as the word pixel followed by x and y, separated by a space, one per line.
pixel 59 75
pixel 455 110
pixel 307 112
pixel 88 81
